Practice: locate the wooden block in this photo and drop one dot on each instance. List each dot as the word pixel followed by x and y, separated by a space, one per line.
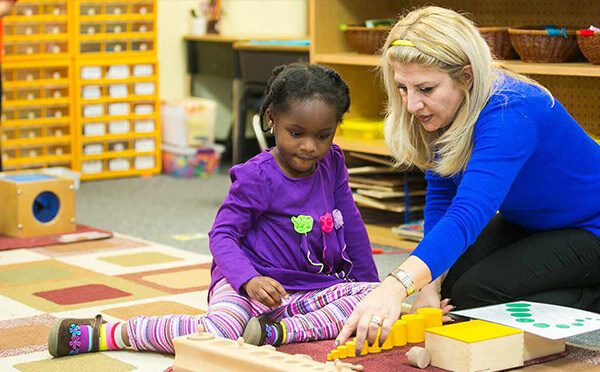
pixel 342 351
pixel 399 331
pixel 36 204
pixel 351 348
pixel 433 316
pixel 537 346
pixel 196 352
pixel 475 346
pixel 375 348
pixel 418 357
pixel 415 327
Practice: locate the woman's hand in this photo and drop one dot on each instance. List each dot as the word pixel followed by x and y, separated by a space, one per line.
pixel 265 290
pixel 383 305
pixel 433 300
pixel 429 296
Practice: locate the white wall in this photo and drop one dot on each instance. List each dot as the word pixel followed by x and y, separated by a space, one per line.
pixel 173 23
pixel 269 18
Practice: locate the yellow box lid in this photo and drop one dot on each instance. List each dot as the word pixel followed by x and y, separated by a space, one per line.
pixel 474 331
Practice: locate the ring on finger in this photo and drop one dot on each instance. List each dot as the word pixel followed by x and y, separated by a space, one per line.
pixel 376 320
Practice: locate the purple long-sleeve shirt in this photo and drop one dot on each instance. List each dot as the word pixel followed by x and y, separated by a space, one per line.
pixel 253 233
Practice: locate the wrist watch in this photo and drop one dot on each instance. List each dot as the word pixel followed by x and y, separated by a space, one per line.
pixel 405 279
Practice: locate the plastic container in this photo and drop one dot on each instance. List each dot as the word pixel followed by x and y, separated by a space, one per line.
pixel 189 122
pixel 191 162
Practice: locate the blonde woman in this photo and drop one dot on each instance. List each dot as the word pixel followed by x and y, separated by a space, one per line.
pixel 513 182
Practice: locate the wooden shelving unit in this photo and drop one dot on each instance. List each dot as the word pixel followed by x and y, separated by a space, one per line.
pixel 575 85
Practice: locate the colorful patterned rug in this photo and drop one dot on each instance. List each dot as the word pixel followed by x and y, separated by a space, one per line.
pixel 119 277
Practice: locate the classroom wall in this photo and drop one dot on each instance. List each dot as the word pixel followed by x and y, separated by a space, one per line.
pixel 267 18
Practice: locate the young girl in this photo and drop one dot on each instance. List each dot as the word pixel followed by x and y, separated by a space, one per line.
pixel 291 253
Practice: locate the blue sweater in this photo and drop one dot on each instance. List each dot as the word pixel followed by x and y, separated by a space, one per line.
pixel 531 161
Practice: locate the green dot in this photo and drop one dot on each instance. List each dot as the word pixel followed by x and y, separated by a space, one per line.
pixel 517 310
pixel 578 324
pixel 518 305
pixel 521 315
pixel 580 320
pixel 541 325
pixel 524 320
pixel 589 318
pixel 562 326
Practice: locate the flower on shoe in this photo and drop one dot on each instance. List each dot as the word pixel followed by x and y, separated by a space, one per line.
pixel 326 223
pixel 338 219
pixel 75 343
pixel 74 330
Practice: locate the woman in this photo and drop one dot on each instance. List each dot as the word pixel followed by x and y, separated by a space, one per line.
pixel 513 195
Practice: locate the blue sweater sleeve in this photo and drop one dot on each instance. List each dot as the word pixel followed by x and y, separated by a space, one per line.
pixel 505 136
pixel 440 191
pixel 246 200
pixel 358 246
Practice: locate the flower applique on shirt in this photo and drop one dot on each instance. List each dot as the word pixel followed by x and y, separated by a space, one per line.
pixel 331 227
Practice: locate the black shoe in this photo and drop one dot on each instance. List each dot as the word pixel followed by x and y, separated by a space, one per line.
pixel 259 328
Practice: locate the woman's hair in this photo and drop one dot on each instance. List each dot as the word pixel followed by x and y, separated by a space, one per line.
pixel 300 81
pixel 448 41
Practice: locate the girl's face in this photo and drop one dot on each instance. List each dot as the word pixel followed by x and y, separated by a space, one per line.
pixel 303 135
pixel 429 94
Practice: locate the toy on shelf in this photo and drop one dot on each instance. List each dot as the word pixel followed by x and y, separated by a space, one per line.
pixel 203 351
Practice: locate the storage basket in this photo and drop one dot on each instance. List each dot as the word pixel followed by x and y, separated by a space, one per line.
pixel 535 44
pixel 589 43
pixel 366 40
pixel 499 41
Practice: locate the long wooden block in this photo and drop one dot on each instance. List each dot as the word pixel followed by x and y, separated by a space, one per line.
pixel 204 352
pixel 537 346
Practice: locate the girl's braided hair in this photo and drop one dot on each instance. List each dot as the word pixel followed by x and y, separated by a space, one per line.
pixel 300 81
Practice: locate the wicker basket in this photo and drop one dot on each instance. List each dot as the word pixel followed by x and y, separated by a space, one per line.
pixel 589 43
pixel 534 45
pixel 499 41
pixel 366 40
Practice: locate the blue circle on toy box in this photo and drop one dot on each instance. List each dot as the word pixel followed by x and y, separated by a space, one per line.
pixel 45 206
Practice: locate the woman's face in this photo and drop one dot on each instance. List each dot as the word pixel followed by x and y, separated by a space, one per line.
pixel 429 94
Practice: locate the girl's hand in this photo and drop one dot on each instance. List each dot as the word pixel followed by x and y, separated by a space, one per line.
pixel 265 290
pixel 383 304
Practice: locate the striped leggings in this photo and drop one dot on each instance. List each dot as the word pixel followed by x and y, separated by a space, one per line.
pixel 306 316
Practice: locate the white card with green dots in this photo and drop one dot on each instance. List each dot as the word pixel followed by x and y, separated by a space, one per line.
pixel 549 321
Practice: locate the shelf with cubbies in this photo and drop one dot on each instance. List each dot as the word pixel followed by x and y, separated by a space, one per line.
pixel 576 85
pixel 37 122
pixel 38 29
pixel 118 118
pixel 123 28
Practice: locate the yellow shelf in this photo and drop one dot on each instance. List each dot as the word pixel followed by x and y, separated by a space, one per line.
pixel 94 119
pixel 116 154
pixel 116 18
pixel 131 79
pixel 129 98
pixel 37 160
pixel 116 137
pixel 37 141
pixel 116 36
pixel 35 83
pixel 36 102
pixel 376 147
pixel 120 174
pixel 36 38
pixel 557 69
pixel 35 18
pixel 66 120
